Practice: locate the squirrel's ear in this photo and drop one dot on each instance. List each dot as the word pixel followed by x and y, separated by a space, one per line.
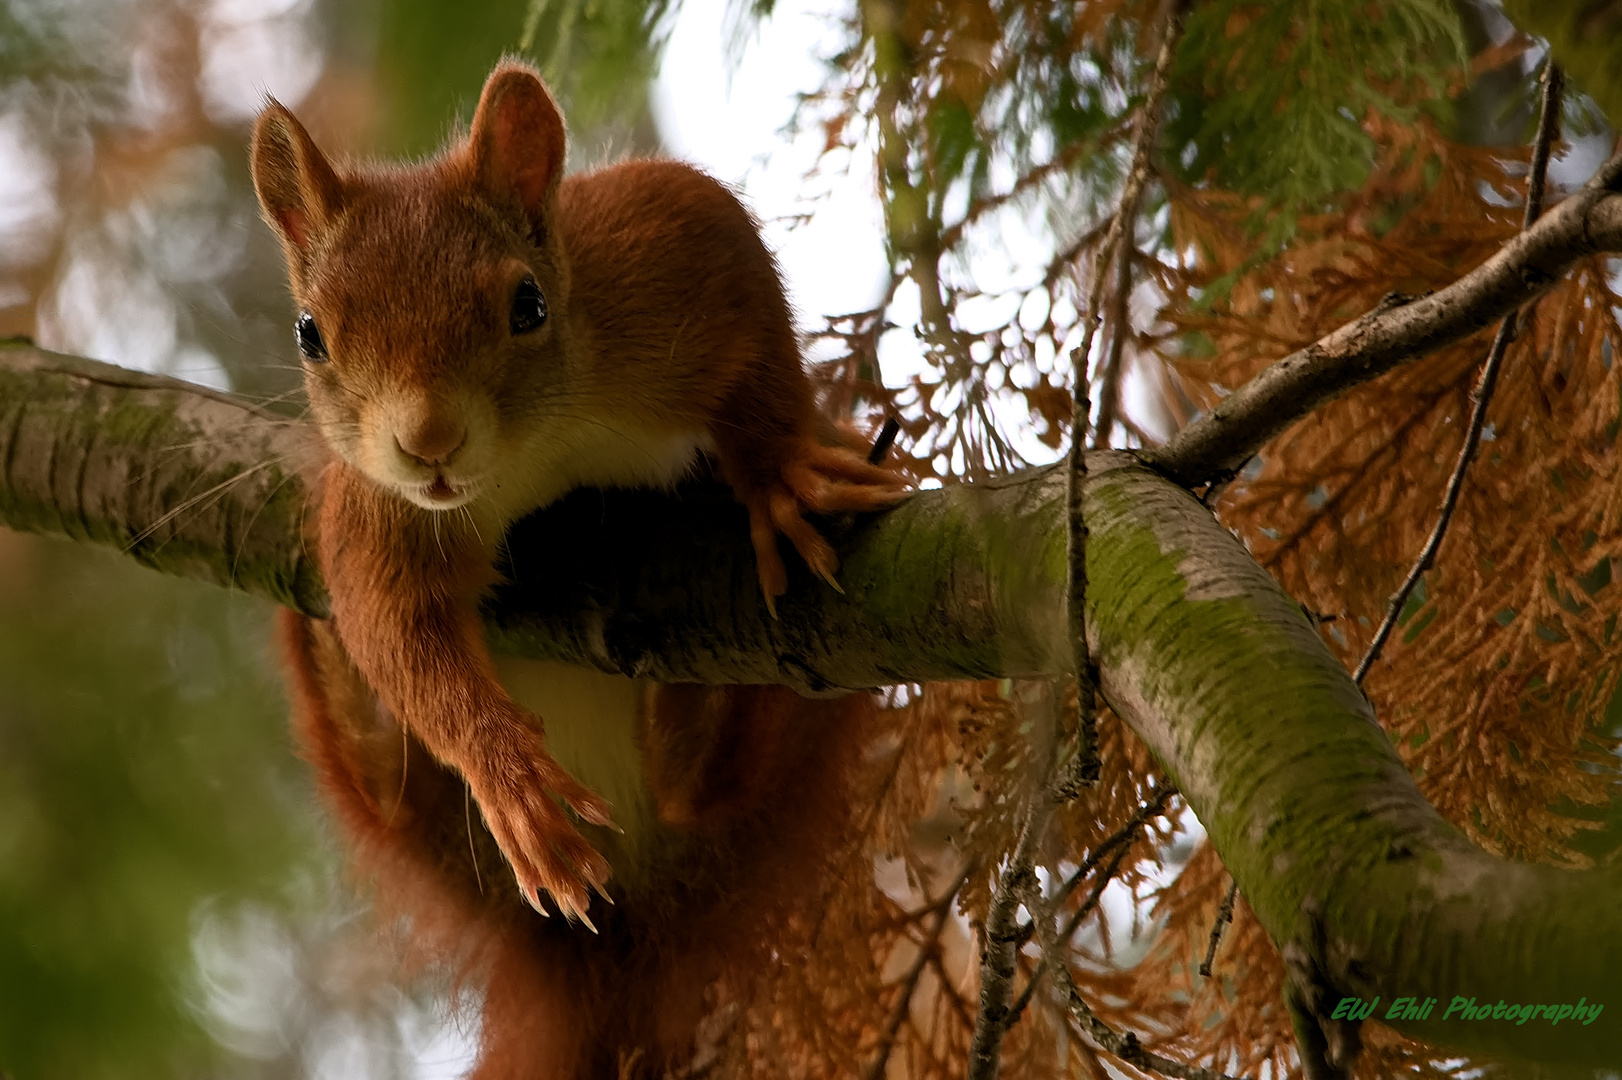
pixel 517 141
pixel 298 191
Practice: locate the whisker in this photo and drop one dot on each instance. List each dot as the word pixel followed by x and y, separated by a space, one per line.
pixel 405 766
pixel 248 528
pixel 468 515
pixel 191 503
pixel 467 814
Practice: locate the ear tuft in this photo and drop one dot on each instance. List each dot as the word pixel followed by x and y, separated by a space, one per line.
pixel 517 143
pixel 298 191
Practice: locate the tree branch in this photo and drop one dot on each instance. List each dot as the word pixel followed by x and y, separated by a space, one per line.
pixel 1220 442
pixel 204 485
pixel 1339 856
pixel 179 477
pixel 1002 935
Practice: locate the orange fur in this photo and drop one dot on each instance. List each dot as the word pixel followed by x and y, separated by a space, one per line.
pixel 655 325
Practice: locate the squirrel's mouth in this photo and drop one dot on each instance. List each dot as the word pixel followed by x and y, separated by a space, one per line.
pixel 442 494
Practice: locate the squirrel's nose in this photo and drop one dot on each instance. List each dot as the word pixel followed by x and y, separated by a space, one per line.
pixel 434 440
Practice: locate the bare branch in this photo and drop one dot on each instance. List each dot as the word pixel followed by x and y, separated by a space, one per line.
pixel 1224 917
pixel 1002 936
pixel 1085 764
pixel 1002 940
pixel 1115 847
pixel 1219 443
pixel 1109 383
pixel 1158 796
pixel 1137 177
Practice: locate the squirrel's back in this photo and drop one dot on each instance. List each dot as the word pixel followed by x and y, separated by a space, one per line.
pixel 670 270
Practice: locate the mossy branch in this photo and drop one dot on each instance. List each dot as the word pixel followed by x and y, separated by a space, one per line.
pixel 1221 674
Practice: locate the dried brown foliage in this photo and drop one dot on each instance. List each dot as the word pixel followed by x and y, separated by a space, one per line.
pixel 1495 688
pixel 1500 675
pixel 889 973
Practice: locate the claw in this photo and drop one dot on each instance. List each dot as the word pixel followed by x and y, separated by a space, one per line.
pixel 582 806
pixel 552 860
pixel 583 917
pixel 602 892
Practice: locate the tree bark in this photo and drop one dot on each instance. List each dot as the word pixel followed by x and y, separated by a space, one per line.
pixel 1358 880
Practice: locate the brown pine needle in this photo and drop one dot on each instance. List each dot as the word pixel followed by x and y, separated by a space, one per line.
pixel 1126 1047
pixel 1481 397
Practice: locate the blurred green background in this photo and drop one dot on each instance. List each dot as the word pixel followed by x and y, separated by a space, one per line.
pixel 171 904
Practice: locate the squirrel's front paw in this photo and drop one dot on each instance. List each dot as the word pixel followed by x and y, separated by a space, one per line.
pixel 510 778
pixel 819 479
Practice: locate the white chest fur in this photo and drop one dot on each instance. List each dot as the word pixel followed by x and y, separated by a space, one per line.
pixel 567 452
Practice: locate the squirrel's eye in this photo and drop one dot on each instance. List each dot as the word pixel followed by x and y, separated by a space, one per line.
pixel 529 307
pixel 309 339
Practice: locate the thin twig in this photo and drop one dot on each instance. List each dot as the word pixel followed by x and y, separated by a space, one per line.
pixel 1063 938
pixel 1117 844
pixel 937 911
pixel 1548 123
pixel 1124 1046
pixel 1109 385
pixel 1156 800
pixel 1153 804
pixel 1137 178
pixel 1086 764
pixel 885 440
pixel 1116 847
pixel 1001 947
pixel 1587 222
pixel 1002 936
pixel 1224 917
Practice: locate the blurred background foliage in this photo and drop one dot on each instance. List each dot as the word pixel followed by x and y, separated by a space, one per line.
pixel 170 904
pixel 170 901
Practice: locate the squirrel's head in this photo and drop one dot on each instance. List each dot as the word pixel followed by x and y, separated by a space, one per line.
pixel 429 296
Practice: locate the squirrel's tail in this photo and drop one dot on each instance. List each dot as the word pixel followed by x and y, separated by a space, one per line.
pixel 411 828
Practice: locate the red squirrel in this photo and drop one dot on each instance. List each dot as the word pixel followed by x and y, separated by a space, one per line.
pixel 480 335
